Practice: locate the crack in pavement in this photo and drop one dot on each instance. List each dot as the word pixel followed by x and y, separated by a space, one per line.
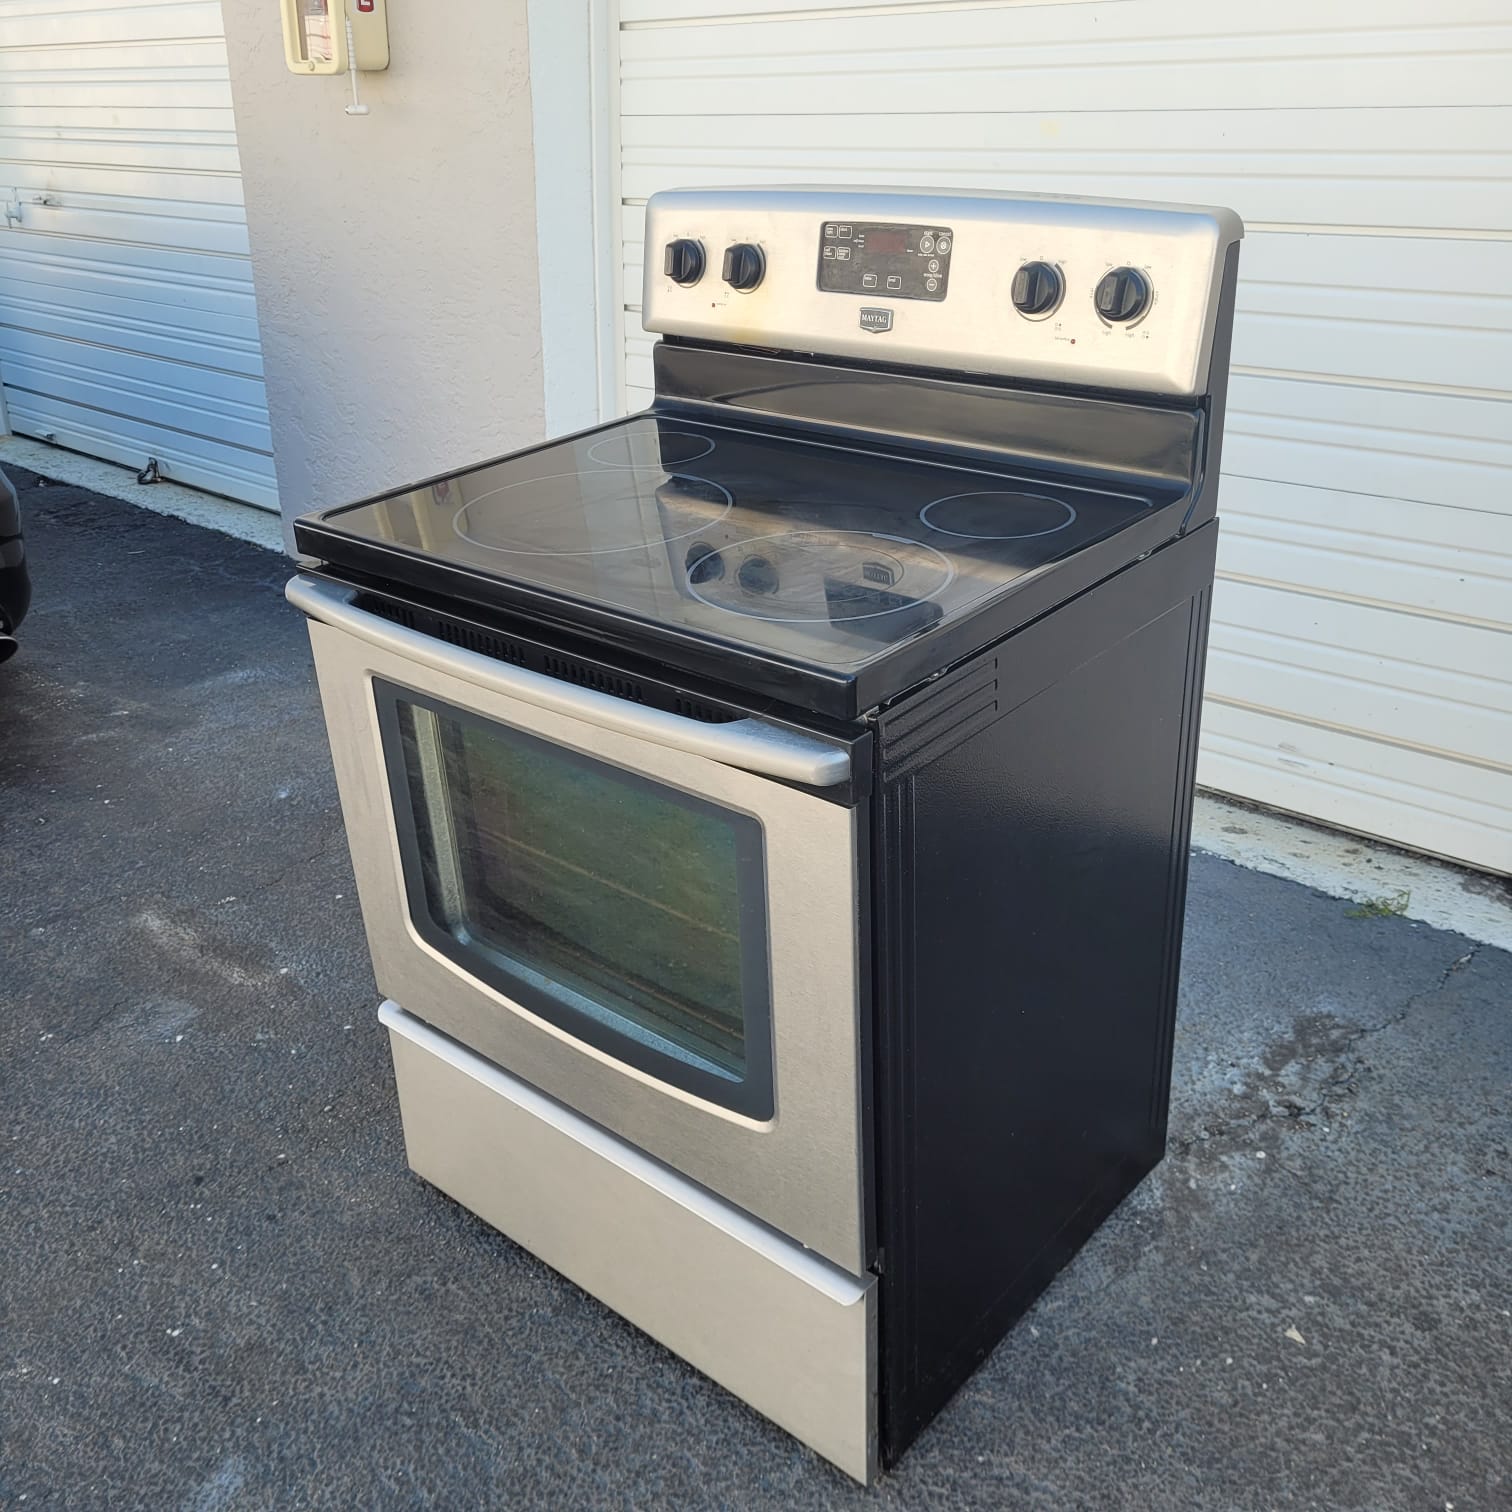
pixel 322 852
pixel 1338 1079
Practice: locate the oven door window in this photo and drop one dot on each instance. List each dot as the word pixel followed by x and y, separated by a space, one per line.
pixel 627 912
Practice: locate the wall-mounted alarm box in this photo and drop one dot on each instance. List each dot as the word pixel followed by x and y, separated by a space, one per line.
pixel 316 32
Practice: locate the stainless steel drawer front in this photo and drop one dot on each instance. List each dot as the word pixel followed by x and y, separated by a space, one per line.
pixel 786 1331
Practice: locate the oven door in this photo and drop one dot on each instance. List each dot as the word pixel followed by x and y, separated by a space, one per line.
pixel 617 904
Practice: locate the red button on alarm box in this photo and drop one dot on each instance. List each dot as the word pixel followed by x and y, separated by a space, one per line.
pixel 366 5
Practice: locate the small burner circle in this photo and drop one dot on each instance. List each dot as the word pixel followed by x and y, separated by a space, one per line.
pixel 647 450
pixel 717 494
pixel 990 508
pixel 760 579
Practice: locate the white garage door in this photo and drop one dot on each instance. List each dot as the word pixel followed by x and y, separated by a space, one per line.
pixel 127 323
pixel 1361 667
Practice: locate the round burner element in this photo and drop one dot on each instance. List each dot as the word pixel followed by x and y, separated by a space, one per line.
pixel 819 577
pixel 523 529
pixel 997 515
pixel 641 450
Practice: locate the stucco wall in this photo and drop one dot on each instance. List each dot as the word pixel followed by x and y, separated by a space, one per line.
pixel 394 254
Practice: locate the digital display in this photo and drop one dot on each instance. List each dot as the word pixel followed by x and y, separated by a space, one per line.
pixel 883 260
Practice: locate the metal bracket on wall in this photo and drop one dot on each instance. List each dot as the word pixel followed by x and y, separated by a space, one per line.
pixel 13 206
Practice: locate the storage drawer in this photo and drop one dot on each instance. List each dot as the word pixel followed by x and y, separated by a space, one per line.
pixel 790 1333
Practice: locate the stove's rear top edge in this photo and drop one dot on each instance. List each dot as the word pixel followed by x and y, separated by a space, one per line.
pixel 1105 437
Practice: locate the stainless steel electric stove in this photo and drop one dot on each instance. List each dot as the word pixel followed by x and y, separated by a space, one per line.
pixel 770 811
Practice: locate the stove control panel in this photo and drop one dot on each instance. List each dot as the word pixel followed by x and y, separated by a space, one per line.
pixel 1101 294
pixel 901 262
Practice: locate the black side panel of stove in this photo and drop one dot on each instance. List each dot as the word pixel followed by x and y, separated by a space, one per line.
pixel 1032 828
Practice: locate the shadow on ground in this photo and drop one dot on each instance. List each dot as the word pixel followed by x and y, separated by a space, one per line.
pixel 220 1288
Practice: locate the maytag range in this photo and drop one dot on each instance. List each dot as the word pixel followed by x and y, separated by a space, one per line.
pixel 770 811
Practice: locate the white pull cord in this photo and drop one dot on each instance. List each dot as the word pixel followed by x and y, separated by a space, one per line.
pixel 356 107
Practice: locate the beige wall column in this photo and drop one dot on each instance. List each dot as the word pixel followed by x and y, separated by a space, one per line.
pixel 394 254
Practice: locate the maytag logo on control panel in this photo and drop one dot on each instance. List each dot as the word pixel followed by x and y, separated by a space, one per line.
pixel 876 320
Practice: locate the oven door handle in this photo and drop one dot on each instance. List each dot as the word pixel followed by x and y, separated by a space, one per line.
pixel 751 744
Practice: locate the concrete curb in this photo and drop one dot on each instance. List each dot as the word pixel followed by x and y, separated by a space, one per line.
pixel 1377 876
pixel 244 521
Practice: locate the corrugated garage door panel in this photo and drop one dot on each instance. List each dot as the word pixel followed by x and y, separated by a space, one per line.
pixel 1362 646
pixel 128 326
pixel 1110 57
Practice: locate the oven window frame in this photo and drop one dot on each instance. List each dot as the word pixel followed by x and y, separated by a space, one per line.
pixel 597 1024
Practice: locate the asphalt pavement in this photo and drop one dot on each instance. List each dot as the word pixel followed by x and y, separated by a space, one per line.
pixel 220 1287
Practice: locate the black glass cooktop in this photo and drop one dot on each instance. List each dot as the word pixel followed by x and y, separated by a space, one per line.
pixel 825 555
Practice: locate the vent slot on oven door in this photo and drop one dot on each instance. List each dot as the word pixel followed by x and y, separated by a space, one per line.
pixel 521 652
pixel 597 678
pixel 470 638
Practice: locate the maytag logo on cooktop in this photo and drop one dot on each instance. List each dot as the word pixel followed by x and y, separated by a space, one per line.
pixel 876 320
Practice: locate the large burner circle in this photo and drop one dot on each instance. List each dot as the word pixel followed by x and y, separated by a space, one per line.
pixel 709 500
pixel 997 515
pixel 641 450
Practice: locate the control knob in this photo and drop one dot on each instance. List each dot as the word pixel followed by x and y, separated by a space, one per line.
pixel 744 266
pixel 1122 294
pixel 1037 288
pixel 684 261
